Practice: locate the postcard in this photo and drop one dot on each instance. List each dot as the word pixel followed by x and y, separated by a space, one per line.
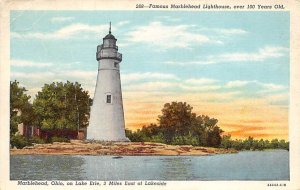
pixel 144 94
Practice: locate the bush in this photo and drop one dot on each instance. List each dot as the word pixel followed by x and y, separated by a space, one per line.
pixel 157 138
pixel 59 139
pixel 18 141
pixel 137 136
pixel 36 140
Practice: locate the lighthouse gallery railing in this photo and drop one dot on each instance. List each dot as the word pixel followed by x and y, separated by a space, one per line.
pixel 100 55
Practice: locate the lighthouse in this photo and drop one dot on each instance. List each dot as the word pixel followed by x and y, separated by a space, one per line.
pixel 107 115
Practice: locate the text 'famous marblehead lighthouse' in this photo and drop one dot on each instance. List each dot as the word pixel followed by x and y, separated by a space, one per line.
pixel 107 115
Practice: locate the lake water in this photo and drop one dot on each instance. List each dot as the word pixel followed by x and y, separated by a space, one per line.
pixel 248 165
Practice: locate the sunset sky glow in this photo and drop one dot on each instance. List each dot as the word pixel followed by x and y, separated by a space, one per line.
pixel 232 66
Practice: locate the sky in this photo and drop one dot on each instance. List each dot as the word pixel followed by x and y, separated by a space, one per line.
pixel 232 66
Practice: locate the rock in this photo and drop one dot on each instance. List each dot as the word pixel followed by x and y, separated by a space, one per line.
pixel 78 147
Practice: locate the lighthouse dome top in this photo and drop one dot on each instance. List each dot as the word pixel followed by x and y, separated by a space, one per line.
pixel 109 36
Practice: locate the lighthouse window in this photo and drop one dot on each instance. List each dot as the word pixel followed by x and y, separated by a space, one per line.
pixel 108 99
pixel 116 64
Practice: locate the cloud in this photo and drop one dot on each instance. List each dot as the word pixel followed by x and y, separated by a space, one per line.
pixel 24 63
pixel 242 89
pixel 75 30
pixel 88 79
pixel 33 81
pixel 168 18
pixel 163 36
pixel 67 32
pixel 32 76
pixel 200 85
pixel 200 81
pixel 278 99
pixel 122 23
pixel 204 88
pixel 61 19
pixel 232 31
pixel 236 83
pixel 224 31
pixel 273 87
pixel 56 74
pixel 78 74
pixel 151 86
pixel 130 77
pixel 167 36
pixel 183 63
pixel 267 87
pixel 262 54
pixel 149 82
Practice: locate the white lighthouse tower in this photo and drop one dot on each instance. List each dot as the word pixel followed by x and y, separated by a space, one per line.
pixel 107 115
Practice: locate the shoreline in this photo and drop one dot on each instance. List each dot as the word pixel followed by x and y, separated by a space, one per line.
pixel 77 147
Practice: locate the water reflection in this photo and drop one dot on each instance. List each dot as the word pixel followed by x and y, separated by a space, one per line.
pixel 39 167
pixel 268 165
pixel 176 168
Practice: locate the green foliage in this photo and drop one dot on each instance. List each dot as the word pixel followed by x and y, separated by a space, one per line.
pixel 284 145
pixel 178 125
pixel 21 111
pixel 18 141
pixel 58 106
pixel 176 120
pixel 59 139
pixel 226 142
pixel 36 140
pixel 20 108
pixel 214 137
pixel 252 144
pixel 62 106
pixel 135 136
pixel 14 121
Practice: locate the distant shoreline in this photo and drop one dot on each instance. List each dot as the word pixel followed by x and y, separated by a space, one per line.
pixel 77 147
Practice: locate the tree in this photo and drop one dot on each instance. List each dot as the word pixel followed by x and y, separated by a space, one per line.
pixel 179 125
pixel 20 108
pixel 261 144
pixel 283 145
pixel 62 106
pixel 212 132
pixel 226 142
pixel 248 143
pixel 214 137
pixel 135 136
pixel 176 119
pixel 275 143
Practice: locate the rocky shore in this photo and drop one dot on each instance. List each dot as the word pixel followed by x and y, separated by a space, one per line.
pixel 77 147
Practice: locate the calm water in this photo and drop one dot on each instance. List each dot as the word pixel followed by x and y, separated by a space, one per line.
pixel 255 165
